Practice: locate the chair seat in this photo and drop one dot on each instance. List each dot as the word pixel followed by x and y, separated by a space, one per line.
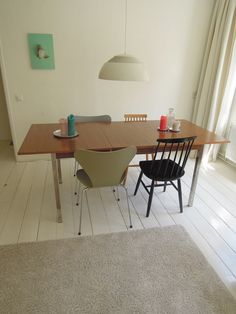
pixel 161 170
pixel 83 178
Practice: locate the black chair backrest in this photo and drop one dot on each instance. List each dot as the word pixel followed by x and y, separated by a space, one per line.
pixel 172 155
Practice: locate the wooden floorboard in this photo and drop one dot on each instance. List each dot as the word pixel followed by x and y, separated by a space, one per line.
pixel 28 211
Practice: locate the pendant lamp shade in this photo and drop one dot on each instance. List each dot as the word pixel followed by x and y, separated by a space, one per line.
pixel 123 68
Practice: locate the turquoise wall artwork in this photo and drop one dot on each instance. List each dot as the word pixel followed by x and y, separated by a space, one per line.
pixel 41 51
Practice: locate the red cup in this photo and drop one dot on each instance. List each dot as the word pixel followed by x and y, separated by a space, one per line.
pixel 163 123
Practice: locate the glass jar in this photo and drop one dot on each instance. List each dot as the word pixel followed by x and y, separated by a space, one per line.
pixel 63 126
pixel 170 118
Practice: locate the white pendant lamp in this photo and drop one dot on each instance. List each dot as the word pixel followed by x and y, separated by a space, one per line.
pixel 123 67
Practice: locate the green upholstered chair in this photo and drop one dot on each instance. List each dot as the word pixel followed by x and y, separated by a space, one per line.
pixel 102 169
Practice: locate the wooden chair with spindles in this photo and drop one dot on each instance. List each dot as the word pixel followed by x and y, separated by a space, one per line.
pixel 140 117
pixel 135 117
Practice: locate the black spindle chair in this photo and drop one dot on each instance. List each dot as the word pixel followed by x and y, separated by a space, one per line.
pixel 167 166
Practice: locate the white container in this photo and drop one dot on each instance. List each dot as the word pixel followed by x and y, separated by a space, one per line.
pixel 176 125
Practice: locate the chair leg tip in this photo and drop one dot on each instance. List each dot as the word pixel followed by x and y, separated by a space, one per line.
pixel 79 233
pixel 131 226
pixel 118 199
pixel 75 193
pixel 77 204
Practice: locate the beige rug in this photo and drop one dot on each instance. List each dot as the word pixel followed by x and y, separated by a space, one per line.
pixel 150 271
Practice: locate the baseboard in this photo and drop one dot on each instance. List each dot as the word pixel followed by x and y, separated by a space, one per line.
pixel 228 161
pixel 25 158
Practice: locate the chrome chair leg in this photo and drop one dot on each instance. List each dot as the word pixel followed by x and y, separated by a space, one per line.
pixel 76 185
pixel 75 168
pixel 78 194
pixel 117 194
pixel 130 221
pixel 81 209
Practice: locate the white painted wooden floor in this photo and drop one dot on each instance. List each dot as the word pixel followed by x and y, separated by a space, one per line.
pixel 28 212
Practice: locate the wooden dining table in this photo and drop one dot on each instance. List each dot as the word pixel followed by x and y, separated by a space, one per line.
pixel 105 136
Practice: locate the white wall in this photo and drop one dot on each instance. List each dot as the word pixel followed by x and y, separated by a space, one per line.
pixel 168 35
pixel 5 133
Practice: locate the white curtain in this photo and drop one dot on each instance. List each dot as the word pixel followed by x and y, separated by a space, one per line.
pixel 217 80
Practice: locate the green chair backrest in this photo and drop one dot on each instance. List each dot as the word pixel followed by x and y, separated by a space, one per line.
pixel 84 119
pixel 105 168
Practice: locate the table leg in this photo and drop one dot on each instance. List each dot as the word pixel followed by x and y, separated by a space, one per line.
pixel 59 170
pixel 56 187
pixel 195 176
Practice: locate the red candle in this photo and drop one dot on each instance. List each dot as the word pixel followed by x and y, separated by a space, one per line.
pixel 163 123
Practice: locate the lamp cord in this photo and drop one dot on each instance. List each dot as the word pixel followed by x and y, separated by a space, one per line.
pixel 125 24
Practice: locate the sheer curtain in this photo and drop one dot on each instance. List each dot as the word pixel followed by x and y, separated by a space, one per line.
pixel 218 74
